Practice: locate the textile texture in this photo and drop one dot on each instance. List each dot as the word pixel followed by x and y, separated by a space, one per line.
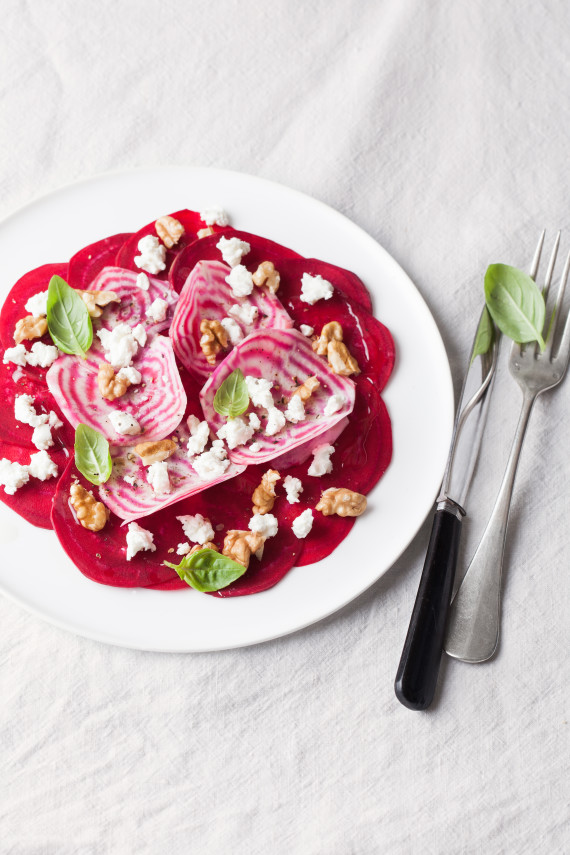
pixel 442 129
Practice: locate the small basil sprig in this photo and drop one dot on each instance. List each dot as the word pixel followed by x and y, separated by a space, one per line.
pixel 207 570
pixel 516 303
pixel 92 454
pixel 68 320
pixel 485 335
pixel 232 398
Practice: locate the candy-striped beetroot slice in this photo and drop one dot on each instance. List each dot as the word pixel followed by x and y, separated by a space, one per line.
pixel 14 305
pixel 207 295
pixel 130 501
pixel 158 403
pixel 134 301
pixel 286 358
pixel 84 266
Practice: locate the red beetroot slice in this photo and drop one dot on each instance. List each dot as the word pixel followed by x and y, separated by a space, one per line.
pixel 192 224
pixel 13 381
pixel 206 249
pixel 14 305
pixel 84 266
pixel 285 357
pixel 207 295
pixel 158 403
pixel 33 501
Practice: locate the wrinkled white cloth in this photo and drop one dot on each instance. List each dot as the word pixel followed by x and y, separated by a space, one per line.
pixel 442 129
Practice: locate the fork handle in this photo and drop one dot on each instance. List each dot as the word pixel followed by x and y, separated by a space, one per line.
pixel 417 673
pixel 474 617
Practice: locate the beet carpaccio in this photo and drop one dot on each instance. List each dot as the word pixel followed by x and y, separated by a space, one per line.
pixel 229 392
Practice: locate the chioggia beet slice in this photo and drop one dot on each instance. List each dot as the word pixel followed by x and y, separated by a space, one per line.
pixel 133 301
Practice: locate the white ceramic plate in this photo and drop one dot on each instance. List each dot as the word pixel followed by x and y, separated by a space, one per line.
pixel 35 571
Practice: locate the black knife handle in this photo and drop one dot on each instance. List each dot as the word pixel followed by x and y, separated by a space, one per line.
pixel 419 666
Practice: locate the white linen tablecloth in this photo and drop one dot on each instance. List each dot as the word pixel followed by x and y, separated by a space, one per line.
pixel 442 128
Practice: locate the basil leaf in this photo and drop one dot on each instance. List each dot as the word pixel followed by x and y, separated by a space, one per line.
pixel 232 398
pixel 207 570
pixel 92 454
pixel 485 335
pixel 515 303
pixel 68 320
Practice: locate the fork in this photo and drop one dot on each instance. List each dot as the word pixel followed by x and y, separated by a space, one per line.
pixel 474 617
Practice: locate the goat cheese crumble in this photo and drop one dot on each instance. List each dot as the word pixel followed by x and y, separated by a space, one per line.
pixel 233 249
pixel 42 466
pixel 236 432
pixel 293 487
pixel 322 463
pixel 42 437
pixel 158 478
pixel 139 539
pixel 25 412
pixel 42 355
pixel 275 421
pixel 37 304
pixel 199 435
pixel 157 310
pixel 120 345
pixel 131 374
pixel 303 524
pixel 295 411
pixel 233 330
pixel 124 424
pixel 142 281
pixel 334 404
pixel 213 463
pixel 17 355
pixel 246 313
pixel 152 255
pixel 139 335
pixel 307 330
pixel 196 528
pixel 12 476
pixel 259 391
pixel 214 216
pixel 315 288
pixel 240 281
pixel 265 524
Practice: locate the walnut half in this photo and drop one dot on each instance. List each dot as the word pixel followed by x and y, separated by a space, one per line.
pixel 29 328
pixel 342 502
pixel 90 513
pixel 214 338
pixel 155 452
pixel 305 391
pixel 169 230
pixel 266 276
pixel 207 545
pixel 331 345
pixel 110 384
pixel 238 545
pixel 264 495
pixel 97 300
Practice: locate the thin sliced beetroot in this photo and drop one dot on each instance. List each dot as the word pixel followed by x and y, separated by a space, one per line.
pixel 207 295
pixel 33 501
pixel 84 266
pixel 14 305
pixel 134 301
pixel 192 223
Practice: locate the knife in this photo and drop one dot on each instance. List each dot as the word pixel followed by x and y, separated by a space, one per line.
pixel 418 670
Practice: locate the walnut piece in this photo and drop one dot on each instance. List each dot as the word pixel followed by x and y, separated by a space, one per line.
pixel 214 338
pixel 155 452
pixel 330 332
pixel 169 230
pixel 264 495
pixel 30 328
pixel 207 545
pixel 202 233
pixel 341 360
pixel 90 513
pixel 342 502
pixel 267 276
pixel 110 384
pixel 238 545
pixel 305 391
pixel 97 300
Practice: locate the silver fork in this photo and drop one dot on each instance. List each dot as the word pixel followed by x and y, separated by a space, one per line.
pixel 474 617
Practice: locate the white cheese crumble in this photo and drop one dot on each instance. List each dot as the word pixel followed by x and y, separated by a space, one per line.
pixel 306 329
pixel 233 330
pixel 183 549
pixel 197 528
pixel 124 424
pixel 157 310
pixel 295 411
pixel 254 421
pixel 119 344
pixel 24 411
pixel 37 304
pixel 42 466
pixel 42 354
pixel 131 374
pixel 139 334
pixel 303 524
pixel 12 476
pixel 240 281
pixel 233 249
pixel 130 479
pixel 246 313
pixel 152 255
pixel 293 487
pixel 17 355
pixel 157 477
pixel 211 464
pixel 259 391
pixel 322 463
pixel 142 281
pixel 265 524
pixel 214 216
pixel 54 421
pixel 315 288
pixel 255 447
pixel 334 404
pixel 236 432
pixel 42 437
pixel 138 539
pixel 199 436
pixel 275 421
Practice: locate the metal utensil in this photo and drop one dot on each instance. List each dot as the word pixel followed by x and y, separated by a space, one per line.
pixel 473 630
pixel 418 670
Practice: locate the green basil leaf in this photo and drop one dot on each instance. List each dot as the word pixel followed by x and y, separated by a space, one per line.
pixel 516 303
pixel 485 335
pixel 207 570
pixel 92 454
pixel 232 398
pixel 68 320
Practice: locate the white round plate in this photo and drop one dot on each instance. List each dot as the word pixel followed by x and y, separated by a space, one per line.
pixel 35 571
